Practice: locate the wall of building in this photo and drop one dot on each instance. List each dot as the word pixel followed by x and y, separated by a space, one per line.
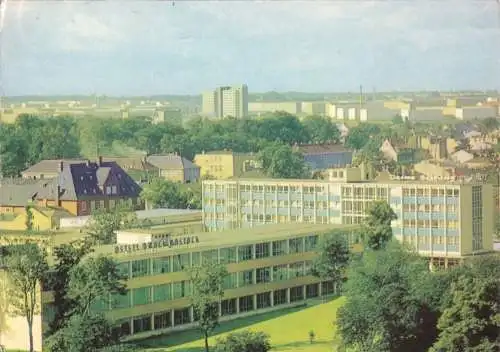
pixel 175 175
pixel 40 222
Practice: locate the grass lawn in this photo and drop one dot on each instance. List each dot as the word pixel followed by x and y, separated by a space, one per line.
pixel 288 329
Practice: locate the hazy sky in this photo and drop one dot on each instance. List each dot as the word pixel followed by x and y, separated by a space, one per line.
pixel 150 47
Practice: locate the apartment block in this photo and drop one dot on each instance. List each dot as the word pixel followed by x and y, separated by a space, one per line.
pixel 441 219
pixel 226 101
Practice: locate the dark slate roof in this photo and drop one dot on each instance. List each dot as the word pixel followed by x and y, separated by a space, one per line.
pixel 51 166
pixel 90 179
pixel 170 161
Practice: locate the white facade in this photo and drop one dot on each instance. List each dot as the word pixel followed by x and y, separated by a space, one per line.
pixel 226 101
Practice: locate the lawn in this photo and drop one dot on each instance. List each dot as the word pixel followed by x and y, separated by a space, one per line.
pixel 288 329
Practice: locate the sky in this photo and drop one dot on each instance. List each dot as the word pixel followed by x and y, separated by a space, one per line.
pixel 158 47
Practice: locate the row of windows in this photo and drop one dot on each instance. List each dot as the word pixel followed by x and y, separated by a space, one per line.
pixel 176 317
pixel 180 262
pixel 177 290
pixel 449 208
pixel 435 240
pixel 431 192
pixel 435 224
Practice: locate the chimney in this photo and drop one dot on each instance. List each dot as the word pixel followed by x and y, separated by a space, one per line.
pixel 58 195
pixel 61 165
pixel 100 160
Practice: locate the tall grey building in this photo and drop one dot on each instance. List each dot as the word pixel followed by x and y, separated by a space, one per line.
pixel 226 101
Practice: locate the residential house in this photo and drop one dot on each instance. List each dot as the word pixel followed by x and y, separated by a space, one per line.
pixel 175 168
pixel 400 154
pixel 436 146
pixel 323 156
pixel 79 189
pixel 42 219
pixel 48 168
pixel 225 164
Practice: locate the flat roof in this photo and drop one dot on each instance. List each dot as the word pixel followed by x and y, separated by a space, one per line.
pixel 153 230
pixel 229 238
pixel 156 213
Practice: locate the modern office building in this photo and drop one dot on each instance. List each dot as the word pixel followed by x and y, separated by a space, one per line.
pixel 226 101
pixel 445 219
pixel 268 270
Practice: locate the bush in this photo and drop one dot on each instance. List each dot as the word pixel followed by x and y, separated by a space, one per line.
pixel 245 341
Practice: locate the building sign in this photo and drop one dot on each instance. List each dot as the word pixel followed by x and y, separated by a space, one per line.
pixel 164 243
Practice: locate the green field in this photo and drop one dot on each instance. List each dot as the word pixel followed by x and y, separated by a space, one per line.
pixel 288 329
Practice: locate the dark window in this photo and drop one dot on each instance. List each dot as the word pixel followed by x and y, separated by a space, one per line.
pixel 246 304
pixel 296 294
pixel 262 250
pixel 163 320
pixel 312 290
pixel 122 329
pixel 142 324
pixel 228 306
pixel 263 300
pixel 279 247
pixel 181 316
pixel 263 275
pixel 327 288
pixel 245 253
pixel 245 278
pixel 279 297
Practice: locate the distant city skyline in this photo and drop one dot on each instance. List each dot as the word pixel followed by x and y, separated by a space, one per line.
pixel 154 48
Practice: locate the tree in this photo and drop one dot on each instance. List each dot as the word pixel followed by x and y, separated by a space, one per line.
pixel 472 321
pixel 29 218
pixel 360 135
pixel 93 279
pixel 384 309
pixel 377 226
pixel 333 258
pixel 244 341
pixel 26 268
pixel 281 161
pixel 67 256
pixel 161 193
pixel 104 223
pixel 320 129
pixel 81 334
pixel 207 293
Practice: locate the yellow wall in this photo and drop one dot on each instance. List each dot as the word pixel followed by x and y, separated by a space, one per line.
pixel 41 222
pixel 175 175
pixel 11 209
pixel 219 166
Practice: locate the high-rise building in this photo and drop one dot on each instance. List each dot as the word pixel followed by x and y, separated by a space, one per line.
pixel 226 101
pixel 444 220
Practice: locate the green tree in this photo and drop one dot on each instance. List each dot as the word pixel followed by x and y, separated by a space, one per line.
pixel 26 268
pixel 360 135
pixel 244 341
pixel 29 218
pixel 472 321
pixel 93 279
pixel 67 256
pixel 333 258
pixel 104 223
pixel 321 129
pixel 161 193
pixel 208 291
pixel 281 161
pixel 377 227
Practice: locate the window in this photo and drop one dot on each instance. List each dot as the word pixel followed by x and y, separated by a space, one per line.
pixel 124 269
pixel 108 190
pixel 263 275
pixel 162 265
pixel 181 316
pixel 245 278
pixel 228 307
pixel 311 243
pixel 279 247
pixel 263 300
pixel 279 297
pixel 228 255
pixel 122 328
pixel 163 320
pixel 211 256
pixel 120 301
pixel 327 288
pixel 140 268
pixel 280 272
pixel 141 296
pixel 83 206
pixel 262 250
pixel 180 262
pixel 162 292
pixel 296 270
pixel 230 281
pixel 196 259
pixel 296 245
pixel 245 253
pixel 246 304
pixel 296 294
pixel 181 289
pixel 312 290
pixel 113 190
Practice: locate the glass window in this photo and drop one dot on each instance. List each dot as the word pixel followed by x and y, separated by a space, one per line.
pixel 279 247
pixel 279 297
pixel 245 278
pixel 263 300
pixel 162 292
pixel 210 256
pixel 262 250
pixel 296 245
pixel 280 272
pixel 141 295
pixel 162 265
pixel 263 275
pixel 230 281
pixel 181 316
pixel 296 270
pixel 122 328
pixel 296 294
pixel 228 255
pixel 142 324
pixel 327 288
pixel 140 268
pixel 163 320
pixel 228 307
pixel 246 304
pixel 120 301
pixel 311 243
pixel 196 259
pixel 181 289
pixel 180 262
pixel 312 290
pixel 245 253
pixel 124 269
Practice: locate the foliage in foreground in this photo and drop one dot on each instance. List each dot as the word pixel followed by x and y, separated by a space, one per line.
pixel 245 341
